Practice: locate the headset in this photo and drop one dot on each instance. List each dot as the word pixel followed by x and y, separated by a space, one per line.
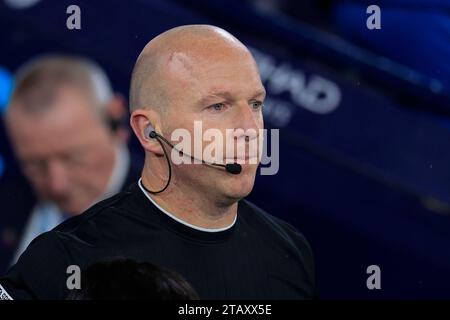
pixel 233 168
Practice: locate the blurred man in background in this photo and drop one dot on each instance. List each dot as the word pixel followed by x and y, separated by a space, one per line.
pixel 64 126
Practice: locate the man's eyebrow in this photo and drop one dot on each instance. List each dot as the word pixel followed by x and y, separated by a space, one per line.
pixel 227 95
pixel 260 92
pixel 215 94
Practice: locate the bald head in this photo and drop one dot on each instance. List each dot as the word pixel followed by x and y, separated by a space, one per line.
pixel 177 56
pixel 193 75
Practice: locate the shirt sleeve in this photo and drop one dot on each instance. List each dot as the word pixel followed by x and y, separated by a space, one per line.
pixel 40 272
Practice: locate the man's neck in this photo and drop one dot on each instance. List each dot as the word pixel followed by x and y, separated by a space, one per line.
pixel 192 207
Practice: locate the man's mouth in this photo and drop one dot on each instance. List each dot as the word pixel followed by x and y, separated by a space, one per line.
pixel 242 160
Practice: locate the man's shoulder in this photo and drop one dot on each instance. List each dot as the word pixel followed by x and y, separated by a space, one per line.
pixel 282 235
pixel 77 225
pixel 17 201
pixel 104 209
pixel 41 269
pixel 275 228
pixel 38 269
pixel 260 216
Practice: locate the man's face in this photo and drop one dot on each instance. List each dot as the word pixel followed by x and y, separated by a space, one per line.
pixel 65 152
pixel 223 92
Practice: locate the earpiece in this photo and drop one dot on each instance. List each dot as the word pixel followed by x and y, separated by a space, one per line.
pixel 233 168
pixel 116 123
pixel 150 132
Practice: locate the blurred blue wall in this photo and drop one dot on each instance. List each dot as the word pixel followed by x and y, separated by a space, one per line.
pixel 364 140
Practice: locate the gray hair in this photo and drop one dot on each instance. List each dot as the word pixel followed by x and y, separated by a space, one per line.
pixel 38 80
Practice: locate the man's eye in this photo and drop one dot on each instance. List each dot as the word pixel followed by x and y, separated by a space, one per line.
pixel 217 107
pixel 256 105
pixel 73 158
pixel 34 167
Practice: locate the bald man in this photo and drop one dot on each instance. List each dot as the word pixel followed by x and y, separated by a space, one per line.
pixel 187 216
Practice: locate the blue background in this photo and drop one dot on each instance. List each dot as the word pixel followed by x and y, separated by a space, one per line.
pixel 367 183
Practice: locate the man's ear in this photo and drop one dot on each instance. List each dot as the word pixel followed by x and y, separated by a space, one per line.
pixel 116 115
pixel 140 120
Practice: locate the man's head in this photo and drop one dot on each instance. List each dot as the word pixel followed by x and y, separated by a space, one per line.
pixel 198 73
pixel 58 123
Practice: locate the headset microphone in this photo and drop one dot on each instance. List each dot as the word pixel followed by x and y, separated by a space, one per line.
pixel 233 168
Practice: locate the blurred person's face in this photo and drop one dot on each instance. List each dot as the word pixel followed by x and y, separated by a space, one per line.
pixel 66 152
pixel 224 91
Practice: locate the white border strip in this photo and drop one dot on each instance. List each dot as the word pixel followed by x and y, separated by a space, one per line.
pixel 181 221
pixel 4 295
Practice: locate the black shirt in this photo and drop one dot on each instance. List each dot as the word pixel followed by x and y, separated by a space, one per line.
pixel 18 200
pixel 259 257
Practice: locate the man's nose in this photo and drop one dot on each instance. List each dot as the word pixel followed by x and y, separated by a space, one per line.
pixel 57 177
pixel 248 119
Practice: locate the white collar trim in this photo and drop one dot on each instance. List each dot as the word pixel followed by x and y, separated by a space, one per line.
pixel 182 221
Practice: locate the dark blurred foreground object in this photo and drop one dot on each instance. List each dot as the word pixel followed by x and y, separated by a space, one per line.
pixel 127 279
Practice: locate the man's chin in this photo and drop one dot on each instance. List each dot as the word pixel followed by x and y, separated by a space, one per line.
pixel 239 191
pixel 71 209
